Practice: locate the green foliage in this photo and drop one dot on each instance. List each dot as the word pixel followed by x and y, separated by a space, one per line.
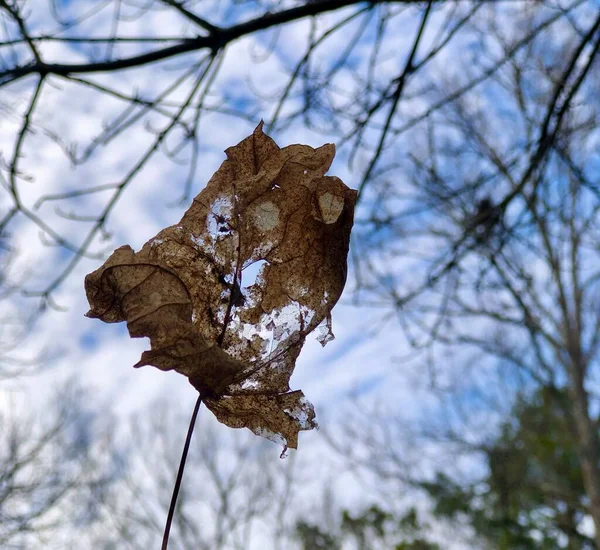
pixel 373 528
pixel 371 524
pixel 313 538
pixel 418 544
pixel 532 497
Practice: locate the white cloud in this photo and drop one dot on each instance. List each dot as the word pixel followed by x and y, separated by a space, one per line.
pixel 357 362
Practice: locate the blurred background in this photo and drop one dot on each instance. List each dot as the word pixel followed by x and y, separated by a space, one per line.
pixel 459 403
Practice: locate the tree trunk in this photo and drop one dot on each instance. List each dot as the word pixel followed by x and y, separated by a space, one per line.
pixel 587 447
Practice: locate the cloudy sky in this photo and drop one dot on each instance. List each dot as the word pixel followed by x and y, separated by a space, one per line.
pixel 356 362
pixel 361 363
pixel 356 365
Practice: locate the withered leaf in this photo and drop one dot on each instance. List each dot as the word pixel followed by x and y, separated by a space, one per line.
pixel 267 210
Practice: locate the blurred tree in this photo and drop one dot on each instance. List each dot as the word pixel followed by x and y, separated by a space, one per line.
pixel 234 497
pixel 312 537
pixel 54 473
pixel 55 461
pixel 488 254
pixel 372 529
pixel 532 496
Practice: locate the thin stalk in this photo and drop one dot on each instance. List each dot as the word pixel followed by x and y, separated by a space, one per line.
pixel 186 448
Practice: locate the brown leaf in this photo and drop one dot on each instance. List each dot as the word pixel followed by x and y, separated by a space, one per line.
pixel 187 289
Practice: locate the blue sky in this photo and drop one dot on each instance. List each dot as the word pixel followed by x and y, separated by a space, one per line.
pixel 360 362
pixel 142 211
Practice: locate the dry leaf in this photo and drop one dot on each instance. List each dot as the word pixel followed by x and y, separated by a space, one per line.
pixel 195 291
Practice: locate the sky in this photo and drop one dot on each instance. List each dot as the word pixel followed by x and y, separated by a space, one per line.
pixel 360 364
pixel 356 365
pixel 356 362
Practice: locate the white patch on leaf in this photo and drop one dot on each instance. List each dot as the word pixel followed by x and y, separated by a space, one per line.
pixel 271 436
pixel 266 216
pixel 331 207
pixel 300 416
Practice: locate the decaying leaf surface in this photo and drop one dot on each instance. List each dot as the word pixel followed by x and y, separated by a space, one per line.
pixel 228 295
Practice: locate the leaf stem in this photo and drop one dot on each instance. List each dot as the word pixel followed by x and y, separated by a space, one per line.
pixel 186 448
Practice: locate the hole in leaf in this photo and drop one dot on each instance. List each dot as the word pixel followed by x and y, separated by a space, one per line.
pixel 250 272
